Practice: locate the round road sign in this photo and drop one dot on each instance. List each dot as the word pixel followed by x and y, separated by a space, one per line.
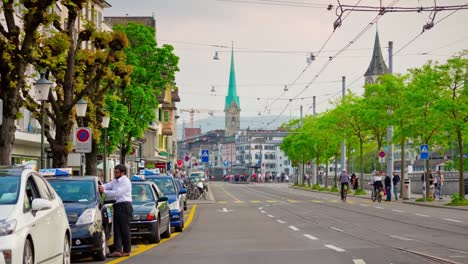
pixel 382 154
pixel 82 135
pixel 187 158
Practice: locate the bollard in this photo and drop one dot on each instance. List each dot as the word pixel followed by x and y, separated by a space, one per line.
pixel 406 192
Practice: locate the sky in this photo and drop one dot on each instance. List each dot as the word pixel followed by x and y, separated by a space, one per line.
pixel 271 43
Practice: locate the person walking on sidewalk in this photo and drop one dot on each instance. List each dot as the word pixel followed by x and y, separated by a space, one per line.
pixel 121 189
pixel 344 181
pixel 440 181
pixel 388 187
pixel 396 181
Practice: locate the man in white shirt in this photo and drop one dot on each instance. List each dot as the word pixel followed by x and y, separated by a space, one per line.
pixel 120 188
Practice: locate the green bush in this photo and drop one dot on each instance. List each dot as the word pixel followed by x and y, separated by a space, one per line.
pixel 429 199
pixel 316 187
pixel 360 192
pixel 458 200
pixel 334 189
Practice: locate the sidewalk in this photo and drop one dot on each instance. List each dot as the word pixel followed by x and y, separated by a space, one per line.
pixel 438 203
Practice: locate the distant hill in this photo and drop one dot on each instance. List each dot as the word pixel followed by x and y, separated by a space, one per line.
pixel 217 122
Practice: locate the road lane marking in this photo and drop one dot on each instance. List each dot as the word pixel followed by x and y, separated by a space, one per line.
pixel 401 238
pixel 336 229
pixel 359 261
pixel 229 194
pixel 398 211
pixel 294 228
pixel 255 201
pixel 281 221
pixel 294 201
pixel 335 248
pixel 239 202
pixel 423 215
pixel 365 205
pixel 452 220
pixel 260 208
pixel 271 201
pixel 378 207
pixel 263 212
pixel 316 201
pixel 270 216
pixel 144 248
pixel 225 210
pixel 222 202
pixel 334 201
pixel 310 237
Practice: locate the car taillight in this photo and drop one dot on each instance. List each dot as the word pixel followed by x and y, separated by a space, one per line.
pixel 150 217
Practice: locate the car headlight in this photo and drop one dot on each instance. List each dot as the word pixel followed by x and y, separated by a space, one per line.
pixel 174 205
pixel 87 217
pixel 7 227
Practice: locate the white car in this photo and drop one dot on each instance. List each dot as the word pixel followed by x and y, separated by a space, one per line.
pixel 33 223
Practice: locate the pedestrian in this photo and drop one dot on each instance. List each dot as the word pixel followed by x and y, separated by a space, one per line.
pixel 120 188
pixel 431 186
pixel 353 181
pixel 388 187
pixel 440 181
pixel 286 178
pixel 396 181
pixel 344 181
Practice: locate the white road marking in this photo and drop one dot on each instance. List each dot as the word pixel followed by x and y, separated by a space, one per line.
pixel 451 220
pixel 335 248
pixel 398 211
pixel 359 261
pixel 294 228
pixel 423 215
pixel 270 216
pixel 401 238
pixel 336 229
pixel 365 205
pixel 260 208
pixel 263 212
pixel 281 221
pixel 378 207
pixel 310 237
pixel 225 210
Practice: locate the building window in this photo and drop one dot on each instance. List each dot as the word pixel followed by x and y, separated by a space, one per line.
pixel 166 117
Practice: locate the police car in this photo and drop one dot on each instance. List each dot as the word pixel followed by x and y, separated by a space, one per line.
pixel 168 187
pixel 90 217
pixel 150 217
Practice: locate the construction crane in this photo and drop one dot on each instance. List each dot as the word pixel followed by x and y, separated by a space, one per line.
pixel 193 111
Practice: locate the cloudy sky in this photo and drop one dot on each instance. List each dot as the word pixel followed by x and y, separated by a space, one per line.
pixel 272 41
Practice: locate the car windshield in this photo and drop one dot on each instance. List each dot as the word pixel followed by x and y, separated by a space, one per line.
pixel 166 185
pixel 9 189
pixel 194 178
pixel 75 191
pixel 197 174
pixel 141 193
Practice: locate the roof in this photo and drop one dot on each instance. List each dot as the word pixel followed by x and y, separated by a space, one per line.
pixel 158 176
pixel 377 65
pixel 72 178
pixel 232 97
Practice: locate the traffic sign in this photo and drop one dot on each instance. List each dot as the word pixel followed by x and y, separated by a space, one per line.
pixel 424 151
pixel 205 155
pixel 226 163
pixel 382 154
pixel 187 158
pixel 83 140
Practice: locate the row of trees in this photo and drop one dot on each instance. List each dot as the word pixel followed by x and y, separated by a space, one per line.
pixel 119 73
pixel 429 105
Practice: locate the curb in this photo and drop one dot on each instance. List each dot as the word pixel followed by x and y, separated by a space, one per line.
pixel 403 201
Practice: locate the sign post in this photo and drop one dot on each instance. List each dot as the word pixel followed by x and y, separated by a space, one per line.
pixel 83 140
pixel 205 155
pixel 424 155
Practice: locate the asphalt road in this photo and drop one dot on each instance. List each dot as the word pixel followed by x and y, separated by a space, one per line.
pixel 271 223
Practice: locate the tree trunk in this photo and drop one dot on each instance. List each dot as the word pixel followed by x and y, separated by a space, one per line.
pixel 7 138
pixel 348 155
pixel 123 154
pixel 461 159
pixel 403 165
pixel 91 160
pixel 336 170
pixel 59 145
pixel 428 171
pixel 361 159
pixel 316 171
pixel 326 173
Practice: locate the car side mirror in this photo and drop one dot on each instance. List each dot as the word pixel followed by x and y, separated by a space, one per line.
pixel 182 191
pixel 163 199
pixel 40 204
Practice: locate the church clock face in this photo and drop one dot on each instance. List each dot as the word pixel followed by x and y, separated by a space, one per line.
pixel 233 121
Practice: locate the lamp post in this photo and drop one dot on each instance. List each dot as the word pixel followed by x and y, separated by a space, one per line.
pixel 105 124
pixel 42 87
pixel 80 109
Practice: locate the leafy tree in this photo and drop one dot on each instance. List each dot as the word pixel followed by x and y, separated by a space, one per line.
pixel 133 104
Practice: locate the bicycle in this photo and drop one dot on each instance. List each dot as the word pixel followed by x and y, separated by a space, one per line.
pixel 345 191
pixel 377 195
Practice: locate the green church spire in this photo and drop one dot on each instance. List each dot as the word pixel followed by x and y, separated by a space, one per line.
pixel 232 92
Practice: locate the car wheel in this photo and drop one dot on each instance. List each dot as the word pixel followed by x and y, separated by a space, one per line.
pixel 66 250
pixel 167 234
pixel 180 228
pixel 101 254
pixel 156 237
pixel 28 254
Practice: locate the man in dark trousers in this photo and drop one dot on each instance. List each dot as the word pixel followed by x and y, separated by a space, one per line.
pixel 388 187
pixel 395 180
pixel 120 188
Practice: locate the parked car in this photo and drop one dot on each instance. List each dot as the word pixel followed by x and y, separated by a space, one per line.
pixel 184 196
pixel 89 218
pixel 202 176
pixel 168 187
pixel 33 223
pixel 150 217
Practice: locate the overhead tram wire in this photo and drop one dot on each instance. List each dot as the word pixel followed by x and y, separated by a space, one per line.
pixel 308 65
pixel 278 3
pixel 359 35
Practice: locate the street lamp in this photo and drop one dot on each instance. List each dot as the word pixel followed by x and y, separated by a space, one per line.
pixel 80 109
pixel 105 124
pixel 42 87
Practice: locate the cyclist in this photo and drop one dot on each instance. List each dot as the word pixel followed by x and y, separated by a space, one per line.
pixel 344 181
pixel 377 183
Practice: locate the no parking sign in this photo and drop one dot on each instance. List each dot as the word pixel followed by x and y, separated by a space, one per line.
pixel 83 140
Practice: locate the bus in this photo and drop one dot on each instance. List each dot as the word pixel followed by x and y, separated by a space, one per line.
pixel 238 173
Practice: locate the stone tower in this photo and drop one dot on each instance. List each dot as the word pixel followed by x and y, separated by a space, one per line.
pixel 232 107
pixel 377 65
